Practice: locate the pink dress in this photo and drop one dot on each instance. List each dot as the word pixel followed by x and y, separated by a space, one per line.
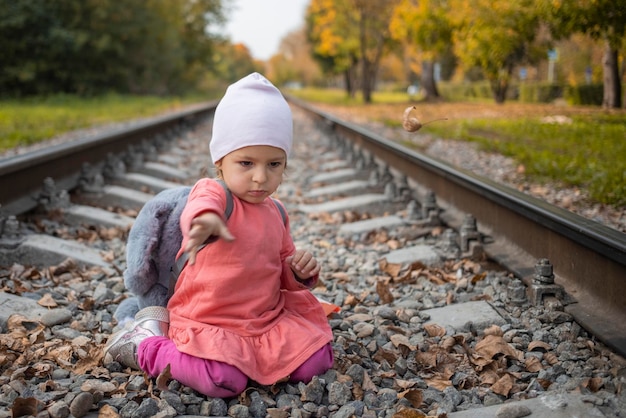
pixel 240 303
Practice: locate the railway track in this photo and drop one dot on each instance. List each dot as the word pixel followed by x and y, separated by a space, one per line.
pixel 358 200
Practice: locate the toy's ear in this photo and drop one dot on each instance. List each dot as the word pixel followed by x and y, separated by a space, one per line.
pixel 145 239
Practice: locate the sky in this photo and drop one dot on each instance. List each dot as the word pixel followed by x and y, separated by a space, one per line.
pixel 261 24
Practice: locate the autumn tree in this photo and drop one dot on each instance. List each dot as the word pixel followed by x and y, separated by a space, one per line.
pixel 425 26
pixel 601 19
pixel 496 36
pixel 351 36
pixel 373 19
pixel 331 31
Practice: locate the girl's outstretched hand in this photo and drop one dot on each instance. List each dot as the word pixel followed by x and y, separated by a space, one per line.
pixel 206 225
pixel 303 264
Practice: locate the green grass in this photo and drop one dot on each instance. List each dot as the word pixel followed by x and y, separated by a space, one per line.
pixel 28 121
pixel 589 153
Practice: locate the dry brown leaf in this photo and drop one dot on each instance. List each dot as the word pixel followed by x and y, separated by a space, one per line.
pixel 594 383
pixel 385 355
pixel 392 269
pixel 393 244
pixel 539 346
pixel 450 298
pixel 504 385
pixel 439 383
pixel 533 364
pixel 65 266
pixel 163 378
pixel 448 343
pixel 399 339
pixel 494 330
pixel 341 276
pixel 107 411
pixel 478 277
pixel 428 358
pixel 492 345
pixel 414 396
pixel 357 392
pixel 434 330
pixel 277 413
pixel 25 407
pixel 551 358
pixel 409 413
pixel 368 384
pixel 384 292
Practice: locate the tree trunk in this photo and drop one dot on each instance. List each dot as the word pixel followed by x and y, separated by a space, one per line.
pixel 612 83
pixel 350 78
pixel 499 88
pixel 428 81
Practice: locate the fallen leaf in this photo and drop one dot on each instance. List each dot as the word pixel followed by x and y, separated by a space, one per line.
pixel 384 292
pixel 538 346
pixel 533 364
pixel 414 396
pixel 47 301
pixel 434 330
pixel 163 378
pixel 503 386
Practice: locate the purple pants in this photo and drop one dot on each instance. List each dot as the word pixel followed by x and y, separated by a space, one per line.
pixel 214 378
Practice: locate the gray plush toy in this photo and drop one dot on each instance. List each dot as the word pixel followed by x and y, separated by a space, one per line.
pixel 153 241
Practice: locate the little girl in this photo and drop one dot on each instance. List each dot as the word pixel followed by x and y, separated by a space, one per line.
pixel 241 308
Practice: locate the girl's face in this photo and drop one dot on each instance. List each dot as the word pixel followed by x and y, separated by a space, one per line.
pixel 253 173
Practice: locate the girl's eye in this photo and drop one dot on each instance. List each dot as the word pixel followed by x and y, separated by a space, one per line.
pixel 276 164
pixel 245 163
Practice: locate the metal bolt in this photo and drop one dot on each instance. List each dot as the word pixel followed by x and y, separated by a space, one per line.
pixel 390 190
pixel 516 292
pixel 469 231
pixel 449 242
pixel 411 210
pixel 429 204
pixel 544 272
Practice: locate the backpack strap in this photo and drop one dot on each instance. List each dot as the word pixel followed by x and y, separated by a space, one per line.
pixel 180 263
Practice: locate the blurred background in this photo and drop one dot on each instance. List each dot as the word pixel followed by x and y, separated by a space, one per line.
pixel 525 50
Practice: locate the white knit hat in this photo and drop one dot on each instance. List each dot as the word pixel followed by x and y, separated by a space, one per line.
pixel 252 112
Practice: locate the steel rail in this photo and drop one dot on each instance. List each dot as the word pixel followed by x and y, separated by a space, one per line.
pixel 22 176
pixel 588 258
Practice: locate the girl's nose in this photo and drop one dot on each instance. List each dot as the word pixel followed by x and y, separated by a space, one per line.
pixel 260 176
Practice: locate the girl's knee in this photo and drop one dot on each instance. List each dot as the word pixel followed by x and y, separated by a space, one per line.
pixel 317 364
pixel 224 380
